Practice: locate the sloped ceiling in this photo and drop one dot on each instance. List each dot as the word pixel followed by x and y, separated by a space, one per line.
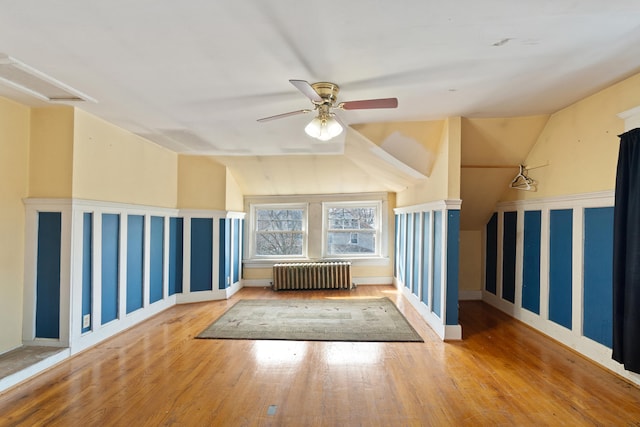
pixel 310 174
pixel 377 157
pixel 195 75
pixel 413 143
pixel 492 149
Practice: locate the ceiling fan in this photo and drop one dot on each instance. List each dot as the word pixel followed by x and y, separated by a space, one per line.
pixel 323 96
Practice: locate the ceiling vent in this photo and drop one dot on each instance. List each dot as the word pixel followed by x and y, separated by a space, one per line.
pixel 24 78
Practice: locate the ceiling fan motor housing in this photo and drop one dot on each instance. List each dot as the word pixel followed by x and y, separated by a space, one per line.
pixel 328 91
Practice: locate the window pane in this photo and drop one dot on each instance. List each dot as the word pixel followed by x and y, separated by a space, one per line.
pixel 279 243
pixel 362 218
pixel 341 242
pixel 279 219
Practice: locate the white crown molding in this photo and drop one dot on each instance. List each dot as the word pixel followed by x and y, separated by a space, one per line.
pixel 97 205
pixel 600 198
pixel 430 206
pixel 631 118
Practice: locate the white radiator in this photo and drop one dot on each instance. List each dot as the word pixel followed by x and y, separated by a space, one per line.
pixel 312 275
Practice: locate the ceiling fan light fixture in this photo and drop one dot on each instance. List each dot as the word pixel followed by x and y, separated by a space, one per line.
pixel 323 128
pixel 323 96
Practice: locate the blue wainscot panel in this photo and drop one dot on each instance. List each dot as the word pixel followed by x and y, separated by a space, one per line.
pixel 87 267
pixel 491 254
pixel 453 258
pixel 436 307
pixel 156 253
pixel 110 266
pixel 237 256
pixel 509 256
pixel 408 254
pixel 48 275
pixel 397 248
pixel 598 271
pixel 135 261
pixel 531 262
pixel 416 251
pixel 403 249
pixel 176 227
pixel 201 254
pixel 426 255
pixel 224 274
pixel 560 266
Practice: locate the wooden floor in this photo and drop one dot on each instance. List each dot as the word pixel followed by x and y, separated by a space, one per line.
pixel 502 374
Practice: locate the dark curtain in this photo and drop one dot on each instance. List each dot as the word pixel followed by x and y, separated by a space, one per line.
pixel 626 254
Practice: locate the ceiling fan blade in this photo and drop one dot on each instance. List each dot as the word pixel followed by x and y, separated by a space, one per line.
pixel 283 115
pixel 306 89
pixel 370 103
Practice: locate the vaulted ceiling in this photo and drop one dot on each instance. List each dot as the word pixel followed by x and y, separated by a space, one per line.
pixel 194 76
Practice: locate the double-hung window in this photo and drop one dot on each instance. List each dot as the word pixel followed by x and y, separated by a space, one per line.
pixel 279 230
pixel 352 229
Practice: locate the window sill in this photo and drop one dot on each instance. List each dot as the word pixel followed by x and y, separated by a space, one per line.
pixel 268 263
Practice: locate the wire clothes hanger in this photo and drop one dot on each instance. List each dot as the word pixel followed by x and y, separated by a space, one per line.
pixel 522 181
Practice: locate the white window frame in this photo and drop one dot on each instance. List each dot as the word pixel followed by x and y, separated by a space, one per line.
pixel 278 206
pixel 376 204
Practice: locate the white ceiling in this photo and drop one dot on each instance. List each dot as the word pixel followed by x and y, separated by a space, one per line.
pixel 195 75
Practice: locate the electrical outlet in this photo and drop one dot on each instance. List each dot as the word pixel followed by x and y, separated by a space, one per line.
pixel 86 320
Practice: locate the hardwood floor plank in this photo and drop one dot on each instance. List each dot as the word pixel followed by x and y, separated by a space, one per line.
pixel 501 373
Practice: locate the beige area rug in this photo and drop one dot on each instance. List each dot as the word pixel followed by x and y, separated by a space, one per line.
pixel 375 319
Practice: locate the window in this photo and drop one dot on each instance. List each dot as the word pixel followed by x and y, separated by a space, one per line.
pixel 279 230
pixel 316 227
pixel 352 229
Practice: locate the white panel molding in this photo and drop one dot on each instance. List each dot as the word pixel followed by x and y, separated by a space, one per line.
pixel 72 340
pixel 201 296
pixel 452 204
pixel 96 278
pixel 595 199
pixel 631 118
pixel 235 215
pixel 166 243
pixel 231 290
pixel 445 332
pixel 425 312
pixel 122 267
pixel 118 325
pixel 146 261
pixel 215 257
pixel 571 338
pixel 64 207
pixel 437 323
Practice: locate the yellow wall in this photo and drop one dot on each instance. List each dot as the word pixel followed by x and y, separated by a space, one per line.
pixel 51 152
pixel 444 181
pixel 470 268
pixel 14 175
pixel 114 165
pixel 580 145
pixel 454 127
pixel 369 271
pixel 234 200
pixel 202 183
pixel 391 232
